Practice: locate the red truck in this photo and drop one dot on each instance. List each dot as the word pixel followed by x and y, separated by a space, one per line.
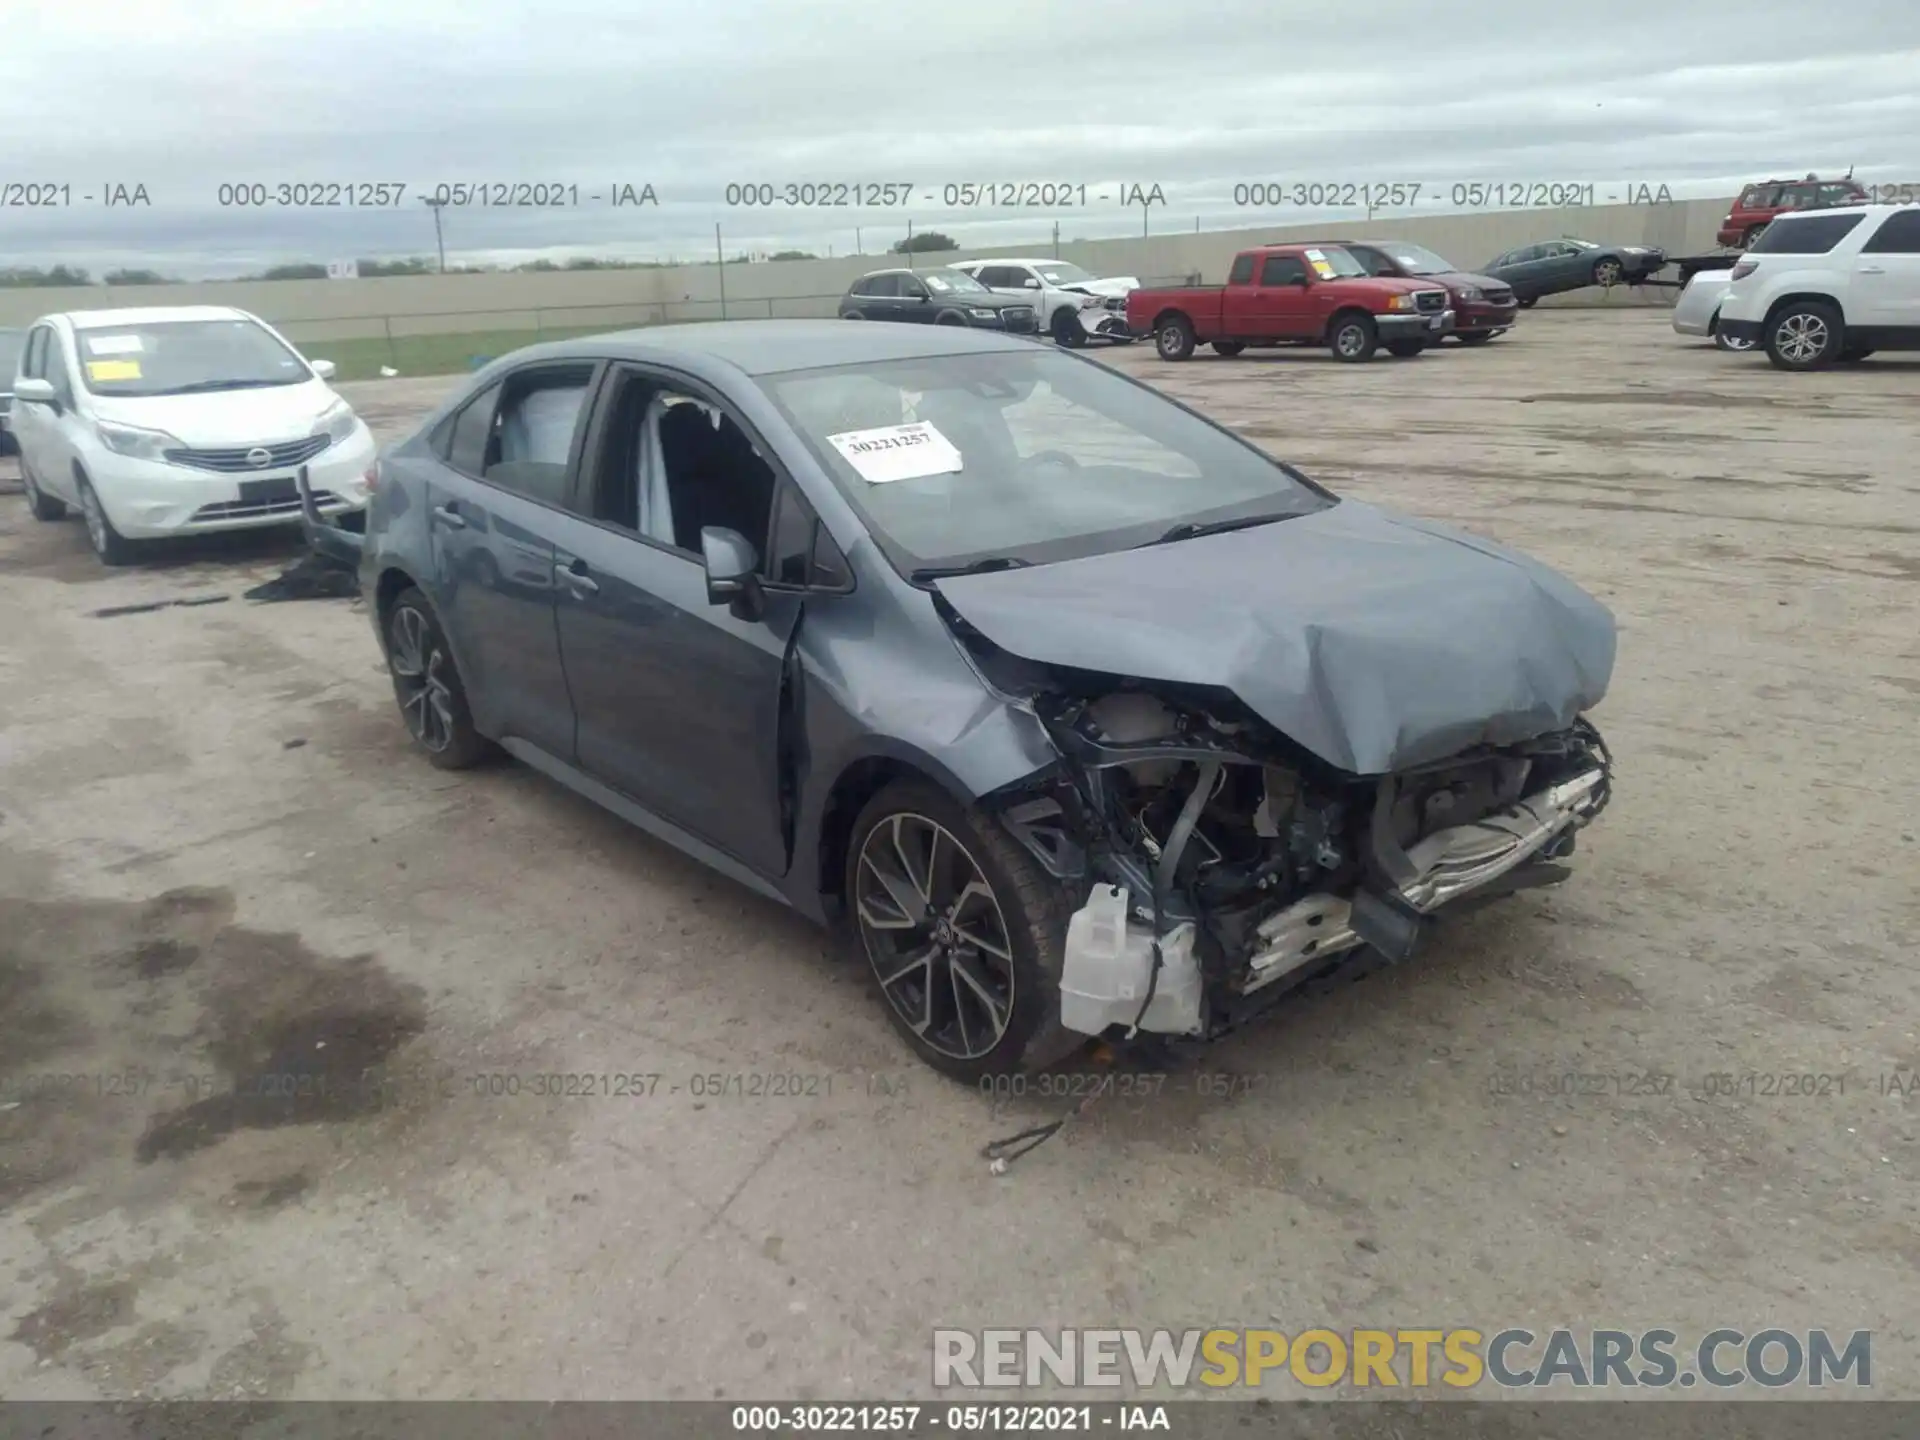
pixel 1294 295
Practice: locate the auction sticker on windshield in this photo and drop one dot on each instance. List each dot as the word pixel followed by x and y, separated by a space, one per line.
pixel 1320 266
pixel 113 344
pixel 897 452
pixel 105 370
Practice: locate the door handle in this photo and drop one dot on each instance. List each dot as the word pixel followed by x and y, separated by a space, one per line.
pixel 448 516
pixel 1873 270
pixel 574 576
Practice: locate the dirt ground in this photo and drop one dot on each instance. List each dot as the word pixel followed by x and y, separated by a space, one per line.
pixel 217 857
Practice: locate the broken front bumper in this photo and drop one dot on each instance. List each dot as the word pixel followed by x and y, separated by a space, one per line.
pixel 1486 858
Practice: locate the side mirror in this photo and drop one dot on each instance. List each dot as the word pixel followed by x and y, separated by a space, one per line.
pixel 1305 280
pixel 732 566
pixel 323 368
pixel 35 391
pixel 1030 283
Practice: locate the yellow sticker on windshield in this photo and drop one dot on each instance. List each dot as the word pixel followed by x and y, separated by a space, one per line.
pixel 1323 269
pixel 104 370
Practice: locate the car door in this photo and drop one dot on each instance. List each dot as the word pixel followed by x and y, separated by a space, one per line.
pixel 1279 307
pixel 496 497
pixel 27 419
pixel 1519 269
pixel 1886 286
pixel 677 699
pixel 915 302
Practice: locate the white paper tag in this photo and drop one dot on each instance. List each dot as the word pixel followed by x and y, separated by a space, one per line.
pixel 897 452
pixel 113 344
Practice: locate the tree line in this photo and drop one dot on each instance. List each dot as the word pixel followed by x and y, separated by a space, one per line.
pixel 22 277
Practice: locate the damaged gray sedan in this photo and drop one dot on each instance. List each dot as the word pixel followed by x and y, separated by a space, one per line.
pixel 1084 716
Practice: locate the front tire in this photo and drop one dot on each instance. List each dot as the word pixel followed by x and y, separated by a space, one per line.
pixel 1528 302
pixel 1173 338
pixel 1805 335
pixel 1479 337
pixel 40 505
pixel 1227 348
pixel 1607 273
pixel 1067 329
pixel 427 685
pixel 1405 349
pixel 1353 338
pixel 109 544
pixel 962 933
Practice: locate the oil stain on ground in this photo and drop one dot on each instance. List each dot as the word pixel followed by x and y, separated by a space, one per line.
pixel 154 1030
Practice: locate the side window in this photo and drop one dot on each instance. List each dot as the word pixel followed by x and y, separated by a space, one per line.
pixel 1796 197
pixel 1899 234
pixel 994 277
pixel 801 552
pixel 1840 193
pixel 53 366
pixel 1283 270
pixel 1749 199
pixel 862 286
pixel 670 463
pixel 1806 235
pixel 1242 272
pixel 1019 277
pixel 1372 261
pixel 885 287
pixel 472 433
pixel 533 431
pixel 33 362
pixel 909 287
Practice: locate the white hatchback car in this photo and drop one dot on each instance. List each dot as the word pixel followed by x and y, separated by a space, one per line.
pixel 162 422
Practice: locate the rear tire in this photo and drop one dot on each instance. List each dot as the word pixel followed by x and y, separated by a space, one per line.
pixel 964 1009
pixel 109 544
pixel 1527 302
pixel 1228 348
pixel 853 315
pixel 1173 338
pixel 1405 349
pixel 1353 338
pixel 1805 335
pixel 40 505
pixel 427 685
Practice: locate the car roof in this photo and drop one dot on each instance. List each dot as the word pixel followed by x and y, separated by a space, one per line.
pixel 1861 209
pixel 152 315
pixel 770 347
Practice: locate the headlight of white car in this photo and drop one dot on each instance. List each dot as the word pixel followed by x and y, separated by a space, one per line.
pixel 336 422
pixel 137 444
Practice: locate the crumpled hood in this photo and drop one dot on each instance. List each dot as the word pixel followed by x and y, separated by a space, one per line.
pixel 1115 285
pixel 1376 641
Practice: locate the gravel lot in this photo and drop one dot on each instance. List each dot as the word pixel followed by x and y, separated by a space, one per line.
pixel 216 851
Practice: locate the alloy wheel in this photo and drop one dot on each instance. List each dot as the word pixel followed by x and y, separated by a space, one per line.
pixel 1802 337
pixel 1607 272
pixel 419 665
pixel 935 935
pixel 1351 340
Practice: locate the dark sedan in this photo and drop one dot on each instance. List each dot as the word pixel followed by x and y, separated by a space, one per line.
pixel 1482 306
pixel 1555 266
pixel 937 297
pixel 1082 714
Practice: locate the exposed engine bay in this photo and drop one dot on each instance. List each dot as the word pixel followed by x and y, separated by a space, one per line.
pixel 1266 866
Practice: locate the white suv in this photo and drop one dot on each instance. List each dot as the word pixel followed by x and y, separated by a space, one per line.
pixel 158 422
pixel 1829 285
pixel 1072 303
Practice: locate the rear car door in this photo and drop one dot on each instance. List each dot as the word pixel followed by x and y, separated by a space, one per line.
pixel 28 420
pixel 1279 307
pixel 510 460
pixel 678 700
pixel 1886 286
pixel 61 426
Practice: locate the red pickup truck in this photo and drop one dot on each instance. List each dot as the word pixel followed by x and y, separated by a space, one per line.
pixel 1294 295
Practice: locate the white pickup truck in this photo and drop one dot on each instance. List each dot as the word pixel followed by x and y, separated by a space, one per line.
pixel 1072 304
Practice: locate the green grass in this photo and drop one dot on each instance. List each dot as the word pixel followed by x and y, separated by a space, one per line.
pixel 361 357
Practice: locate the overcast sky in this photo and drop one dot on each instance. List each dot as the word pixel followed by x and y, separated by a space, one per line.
pixel 181 96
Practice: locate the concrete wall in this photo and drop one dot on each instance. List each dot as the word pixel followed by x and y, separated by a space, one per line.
pixel 319 310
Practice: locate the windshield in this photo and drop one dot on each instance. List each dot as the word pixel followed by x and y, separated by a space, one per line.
pixel 1330 262
pixel 1031 456
pixel 176 357
pixel 1061 273
pixel 1582 244
pixel 1417 260
pixel 948 281
pixel 11 343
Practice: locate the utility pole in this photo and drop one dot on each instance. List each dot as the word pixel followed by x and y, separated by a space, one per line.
pixel 720 259
pixel 439 243
pixel 1056 239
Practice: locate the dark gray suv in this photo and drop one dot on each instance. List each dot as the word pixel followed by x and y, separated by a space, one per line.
pixel 937 297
